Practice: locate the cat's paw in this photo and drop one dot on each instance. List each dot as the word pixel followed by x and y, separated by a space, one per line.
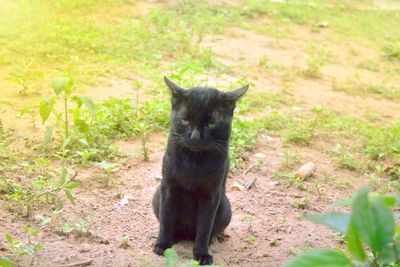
pixel 160 248
pixel 203 259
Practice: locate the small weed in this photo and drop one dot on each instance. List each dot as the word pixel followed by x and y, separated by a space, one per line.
pixel 18 249
pixel 109 176
pixel 143 131
pixel 31 111
pixel 172 259
pixel 371 65
pixel 300 133
pixel 290 179
pixel 301 203
pixel 356 87
pixel 392 51
pixel 37 192
pixel 124 242
pixel 251 239
pixel 274 242
pixel 318 57
pixel 341 184
pixel 83 226
pixel 23 75
pixel 351 163
pixel 290 159
pixel 243 139
pixel 248 219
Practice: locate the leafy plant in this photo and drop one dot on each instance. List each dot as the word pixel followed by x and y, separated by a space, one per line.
pixel 109 175
pixel 64 86
pixel 31 111
pixel 124 242
pixel 17 248
pixel 392 51
pixel 22 76
pixel 172 259
pixel 318 57
pixel 41 190
pixel 5 262
pixel 82 226
pixel 290 159
pixel 371 224
pixel 290 179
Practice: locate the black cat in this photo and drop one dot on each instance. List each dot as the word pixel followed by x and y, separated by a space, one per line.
pixel 191 203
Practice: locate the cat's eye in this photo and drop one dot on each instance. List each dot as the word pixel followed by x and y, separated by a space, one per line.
pixel 184 122
pixel 211 124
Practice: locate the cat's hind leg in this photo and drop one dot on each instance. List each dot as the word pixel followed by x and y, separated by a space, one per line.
pixel 223 217
pixel 156 203
pixel 164 209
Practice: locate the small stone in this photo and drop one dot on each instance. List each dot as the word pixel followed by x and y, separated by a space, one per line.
pixel 307 170
pixel 259 156
pixel 237 186
pixel 269 138
pixel 84 249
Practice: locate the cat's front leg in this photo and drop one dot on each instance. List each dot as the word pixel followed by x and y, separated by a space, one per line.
pixel 206 212
pixel 166 216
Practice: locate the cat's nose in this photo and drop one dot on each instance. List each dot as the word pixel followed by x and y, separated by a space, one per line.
pixel 195 135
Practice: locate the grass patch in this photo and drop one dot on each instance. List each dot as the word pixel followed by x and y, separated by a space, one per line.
pixel 392 51
pixel 356 87
pixel 317 58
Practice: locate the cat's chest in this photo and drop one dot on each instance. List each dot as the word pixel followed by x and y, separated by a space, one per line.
pixel 193 174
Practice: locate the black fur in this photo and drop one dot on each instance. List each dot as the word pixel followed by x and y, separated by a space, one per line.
pixel 191 203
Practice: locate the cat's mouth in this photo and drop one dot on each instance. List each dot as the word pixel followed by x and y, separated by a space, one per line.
pixel 196 147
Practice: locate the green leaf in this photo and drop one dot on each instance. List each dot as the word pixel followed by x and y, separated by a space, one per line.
pixel 72 185
pixel 46 220
pixel 389 200
pixel 46 107
pixel 320 258
pixel 335 220
pixel 171 257
pixel 64 174
pixel 9 239
pixel 5 262
pixel 30 231
pixel 47 136
pixel 354 243
pixel 88 102
pixel 66 228
pixel 69 195
pixel 62 84
pixel 190 263
pixel 373 220
pixel 77 100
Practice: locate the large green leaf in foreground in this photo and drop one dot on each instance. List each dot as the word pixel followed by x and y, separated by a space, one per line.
pixel 320 258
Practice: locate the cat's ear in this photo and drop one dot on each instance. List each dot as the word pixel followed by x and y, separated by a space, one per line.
pixel 175 89
pixel 235 95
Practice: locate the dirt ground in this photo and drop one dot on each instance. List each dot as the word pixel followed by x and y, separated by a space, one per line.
pixel 267 227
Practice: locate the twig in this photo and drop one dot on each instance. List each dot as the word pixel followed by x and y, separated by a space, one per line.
pixel 209 57
pixel 250 183
pixel 80 263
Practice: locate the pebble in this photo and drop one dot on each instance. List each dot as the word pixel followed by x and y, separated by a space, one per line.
pixel 259 156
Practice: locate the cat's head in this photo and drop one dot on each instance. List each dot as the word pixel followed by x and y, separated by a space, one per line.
pixel 202 117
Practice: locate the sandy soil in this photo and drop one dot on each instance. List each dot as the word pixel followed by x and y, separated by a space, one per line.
pixel 266 228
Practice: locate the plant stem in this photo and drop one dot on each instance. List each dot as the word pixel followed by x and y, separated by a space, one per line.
pixel 66 114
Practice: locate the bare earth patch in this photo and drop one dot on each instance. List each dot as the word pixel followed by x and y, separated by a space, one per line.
pixel 266 229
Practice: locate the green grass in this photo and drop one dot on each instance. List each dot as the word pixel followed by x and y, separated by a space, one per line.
pixel 357 87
